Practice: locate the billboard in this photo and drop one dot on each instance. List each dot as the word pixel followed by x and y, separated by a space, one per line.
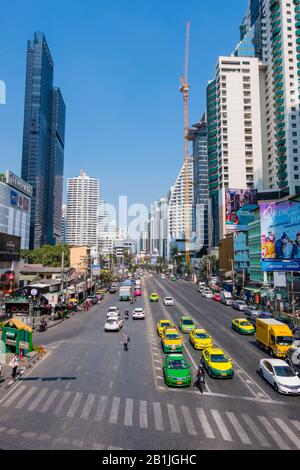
pixel 10 247
pixel 239 205
pixel 280 236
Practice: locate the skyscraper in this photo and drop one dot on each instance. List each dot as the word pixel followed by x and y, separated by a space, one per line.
pixel 43 143
pixel 83 210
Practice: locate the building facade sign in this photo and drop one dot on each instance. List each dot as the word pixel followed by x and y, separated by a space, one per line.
pixel 239 203
pixel 17 183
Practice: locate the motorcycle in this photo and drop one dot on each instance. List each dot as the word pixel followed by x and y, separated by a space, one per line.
pixel 126 315
pixel 43 326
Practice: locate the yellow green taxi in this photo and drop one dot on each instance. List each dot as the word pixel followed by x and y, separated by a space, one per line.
pixel 186 324
pixel 154 297
pixel 200 339
pixel 171 341
pixel 162 324
pixel 217 363
pixel 243 326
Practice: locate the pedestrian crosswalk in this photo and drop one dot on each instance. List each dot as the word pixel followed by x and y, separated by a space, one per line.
pixel 220 425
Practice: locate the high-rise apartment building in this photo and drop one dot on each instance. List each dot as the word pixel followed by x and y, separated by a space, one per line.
pixel 236 124
pixel 159 227
pixel 83 210
pixel 107 230
pixel 64 224
pixel 43 143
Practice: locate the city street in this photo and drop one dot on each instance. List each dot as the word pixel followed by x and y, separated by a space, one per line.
pixel 88 393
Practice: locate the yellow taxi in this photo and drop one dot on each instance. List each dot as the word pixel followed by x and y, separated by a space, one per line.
pixel 217 363
pixel 200 339
pixel 162 324
pixel 171 341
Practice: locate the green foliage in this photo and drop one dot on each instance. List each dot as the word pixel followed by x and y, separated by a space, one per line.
pixel 47 255
pixel 106 276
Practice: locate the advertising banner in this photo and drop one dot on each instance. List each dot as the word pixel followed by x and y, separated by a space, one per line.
pixel 239 205
pixel 280 236
pixel 10 247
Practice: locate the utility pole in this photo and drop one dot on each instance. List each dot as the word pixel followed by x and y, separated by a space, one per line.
pixel 233 277
pixel 62 270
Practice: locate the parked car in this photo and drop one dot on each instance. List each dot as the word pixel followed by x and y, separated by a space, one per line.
pixel 217 297
pixel 226 298
pixel 207 294
pixel 280 375
pixel 293 357
pixel 239 305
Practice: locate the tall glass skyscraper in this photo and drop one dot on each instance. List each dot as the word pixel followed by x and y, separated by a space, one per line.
pixel 43 143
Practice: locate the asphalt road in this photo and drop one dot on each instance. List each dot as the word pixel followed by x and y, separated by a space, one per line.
pixel 88 393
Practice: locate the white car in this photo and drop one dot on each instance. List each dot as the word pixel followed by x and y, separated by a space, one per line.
pixel 168 301
pixel 113 324
pixel 113 310
pixel 207 294
pixel 138 314
pixel 163 276
pixel 240 305
pixel 280 375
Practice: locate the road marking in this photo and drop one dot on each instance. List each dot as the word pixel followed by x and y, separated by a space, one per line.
pixel 101 408
pixel 274 434
pixel 157 368
pixel 25 398
pixel 63 400
pixel 98 446
pixel 50 401
pixel 158 422
pixel 114 410
pixel 2 428
pixel 288 432
pixel 44 437
pixel 143 414
pixel 14 396
pixel 160 377
pixel 29 435
pixel 173 418
pixel 12 431
pixel 73 408
pixel 77 443
pixel 205 424
pixel 88 406
pixel 221 425
pixel 188 421
pixel 296 424
pixel 259 436
pixel 238 428
pixel 38 399
pixel 128 412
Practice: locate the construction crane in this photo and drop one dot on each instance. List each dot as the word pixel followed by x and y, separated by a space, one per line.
pixel 185 90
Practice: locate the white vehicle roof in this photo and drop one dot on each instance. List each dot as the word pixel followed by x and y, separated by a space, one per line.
pixel 112 319
pixel 113 308
pixel 138 310
pixel 275 362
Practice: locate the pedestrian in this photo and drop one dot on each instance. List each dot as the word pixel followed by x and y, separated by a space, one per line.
pixel 126 340
pixel 14 364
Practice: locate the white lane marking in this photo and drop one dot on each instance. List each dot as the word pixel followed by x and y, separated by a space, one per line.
pixel 160 377
pixel 38 399
pixel 43 437
pixel 73 408
pixel 77 443
pixel 49 401
pixel 13 431
pixel 14 396
pixel 128 412
pixel 98 446
pixel 238 428
pixel 188 421
pixel 29 435
pixel 114 410
pixel 61 403
pixel 25 398
pixel 2 428
pixel 101 408
pixel 157 368
pixel 173 418
pixel 221 425
pixel 158 422
pixel 273 433
pixel 296 424
pixel 143 414
pixel 115 448
pixel 259 436
pixel 292 436
pixel 205 424
pixel 88 406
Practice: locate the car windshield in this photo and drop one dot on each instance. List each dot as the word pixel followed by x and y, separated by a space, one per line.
pixel 218 358
pixel 112 309
pixel 165 323
pixel 245 323
pixel 201 335
pixel 284 340
pixel 177 364
pixel 169 298
pixel 172 336
pixel 187 322
pixel 284 371
pixel 111 322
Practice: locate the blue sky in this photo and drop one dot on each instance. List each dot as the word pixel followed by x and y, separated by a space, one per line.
pixel 118 65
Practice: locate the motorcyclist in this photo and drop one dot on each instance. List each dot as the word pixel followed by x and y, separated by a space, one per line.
pixel 126 314
pixel 126 340
pixel 200 380
pixel 131 300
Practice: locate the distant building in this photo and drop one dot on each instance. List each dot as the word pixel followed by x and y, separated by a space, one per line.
pixel 64 224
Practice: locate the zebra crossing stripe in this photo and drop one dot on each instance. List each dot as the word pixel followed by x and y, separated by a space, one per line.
pixel 15 395
pixel 288 432
pixel 88 406
pixel 239 429
pixel 114 410
pixel 73 408
pixel 38 399
pixel 221 425
pixel 128 412
pixel 260 437
pixel 143 414
pixel 205 424
pixel 188 421
pixel 61 403
pixel 49 401
pixel 158 421
pixel 273 433
pixel 296 424
pixel 101 408
pixel 25 398
pixel 173 418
